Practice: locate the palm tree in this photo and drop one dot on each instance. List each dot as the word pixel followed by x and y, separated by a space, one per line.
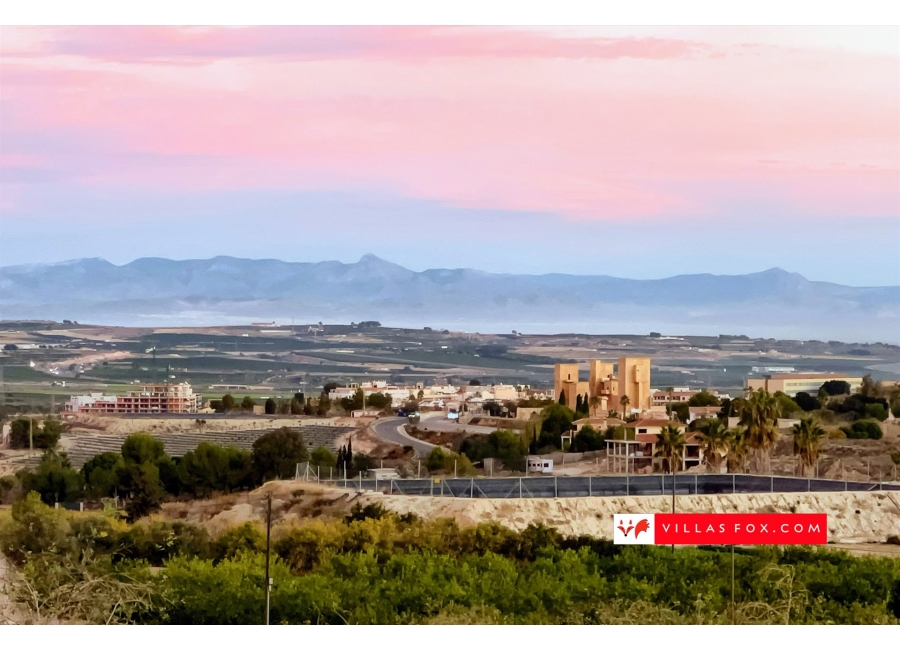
pixel 807 436
pixel 737 449
pixel 623 402
pixel 714 443
pixel 670 447
pixel 595 403
pixel 759 418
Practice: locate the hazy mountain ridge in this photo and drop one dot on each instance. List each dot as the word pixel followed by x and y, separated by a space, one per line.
pixel 232 289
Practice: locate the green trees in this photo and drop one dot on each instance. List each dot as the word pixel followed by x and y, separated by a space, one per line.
pixel 374 567
pixel 806 401
pixel 594 403
pixel 759 419
pixel 681 410
pixel 588 439
pixel 322 457
pixel 270 406
pixel 324 404
pixel 101 474
pixel 139 479
pixel 379 401
pixel 276 454
pixel 54 479
pixel 441 460
pixel 228 402
pixel 863 429
pixel 738 449
pixel 45 436
pixel 296 407
pixel 557 419
pixel 786 406
pixel 142 489
pixel 506 446
pixel 703 398
pixel 624 401
pixel 435 459
pixel 836 387
pixel 670 447
pixel 807 437
pixel 247 403
pixel 714 443
pixel 210 468
pixel 353 403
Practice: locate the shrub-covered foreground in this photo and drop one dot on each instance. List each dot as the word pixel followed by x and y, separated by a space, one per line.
pixel 378 568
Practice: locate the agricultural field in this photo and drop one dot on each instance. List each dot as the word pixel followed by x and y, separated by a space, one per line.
pixel 43 363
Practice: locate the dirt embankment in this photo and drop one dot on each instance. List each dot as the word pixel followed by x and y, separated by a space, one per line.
pixel 853 517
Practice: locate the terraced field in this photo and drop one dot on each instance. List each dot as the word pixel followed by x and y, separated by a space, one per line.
pixel 83 448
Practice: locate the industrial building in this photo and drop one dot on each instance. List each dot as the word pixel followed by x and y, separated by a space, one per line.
pixel 793 383
pixel 151 398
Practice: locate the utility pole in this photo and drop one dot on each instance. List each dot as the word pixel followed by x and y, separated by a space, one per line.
pixel 673 494
pixel 30 434
pixel 732 585
pixel 268 546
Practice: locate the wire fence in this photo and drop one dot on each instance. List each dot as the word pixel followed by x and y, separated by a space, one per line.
pixel 588 486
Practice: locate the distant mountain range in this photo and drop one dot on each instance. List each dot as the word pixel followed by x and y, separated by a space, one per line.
pixel 227 290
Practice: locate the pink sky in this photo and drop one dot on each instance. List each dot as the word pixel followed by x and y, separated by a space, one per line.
pixel 631 126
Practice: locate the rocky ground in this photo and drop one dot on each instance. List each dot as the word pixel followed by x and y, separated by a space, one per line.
pixel 854 517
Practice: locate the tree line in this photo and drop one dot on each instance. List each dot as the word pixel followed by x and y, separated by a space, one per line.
pixel 375 567
pixel 144 475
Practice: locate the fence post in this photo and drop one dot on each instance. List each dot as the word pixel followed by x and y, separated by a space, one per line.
pixel 772 483
pixel 732 484
pixel 626 485
pixel 318 473
pixel 472 488
pixel 696 485
pixel 81 506
pixel 808 489
pixel 520 487
pixel 419 470
pixel 392 486
pixel 442 487
pixel 376 481
pixel 590 490
pixel 555 487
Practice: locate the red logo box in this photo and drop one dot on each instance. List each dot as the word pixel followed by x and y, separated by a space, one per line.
pixel 741 529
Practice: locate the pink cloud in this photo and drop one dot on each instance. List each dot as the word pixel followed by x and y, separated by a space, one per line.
pixel 584 127
pixel 147 44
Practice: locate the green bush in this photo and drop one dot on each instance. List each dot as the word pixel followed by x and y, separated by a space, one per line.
pixel 378 568
pixel 246 538
pixel 877 411
pixel 863 429
pixel 54 479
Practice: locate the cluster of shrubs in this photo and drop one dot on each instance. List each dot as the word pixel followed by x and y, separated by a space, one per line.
pixel 863 429
pixel 374 567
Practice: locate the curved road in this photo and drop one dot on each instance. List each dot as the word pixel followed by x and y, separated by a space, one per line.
pixel 391 430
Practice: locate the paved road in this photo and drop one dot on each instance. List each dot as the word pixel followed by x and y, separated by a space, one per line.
pixel 391 430
pixel 437 422
pixel 583 486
